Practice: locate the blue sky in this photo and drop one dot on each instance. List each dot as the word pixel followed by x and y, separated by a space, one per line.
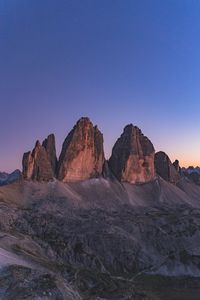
pixel 116 61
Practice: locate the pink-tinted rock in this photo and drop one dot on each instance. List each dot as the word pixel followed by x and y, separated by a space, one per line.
pixel 82 155
pixel 37 164
pixel 27 165
pixel 132 158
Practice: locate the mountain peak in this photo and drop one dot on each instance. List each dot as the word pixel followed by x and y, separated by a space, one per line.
pixel 40 163
pixel 165 168
pixel 132 158
pixel 82 155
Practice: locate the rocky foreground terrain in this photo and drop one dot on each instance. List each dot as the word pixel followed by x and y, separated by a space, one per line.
pixel 81 227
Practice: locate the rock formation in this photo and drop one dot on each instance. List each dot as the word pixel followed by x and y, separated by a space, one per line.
pixel 50 146
pixel 40 164
pixel 82 155
pixel 132 158
pixel 91 240
pixel 165 168
pixel 177 166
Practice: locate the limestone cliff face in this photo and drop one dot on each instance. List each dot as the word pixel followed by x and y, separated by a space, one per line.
pixel 82 155
pixel 27 165
pixel 50 147
pixel 40 164
pixel 132 158
pixel 165 168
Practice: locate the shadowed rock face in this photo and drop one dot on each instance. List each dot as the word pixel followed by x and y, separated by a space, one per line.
pixel 177 166
pixel 165 168
pixel 37 164
pixel 132 158
pixel 49 145
pixel 82 155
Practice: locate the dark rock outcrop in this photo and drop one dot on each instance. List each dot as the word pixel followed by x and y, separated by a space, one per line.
pixel 50 146
pixel 82 155
pixel 177 166
pixel 132 158
pixel 165 168
pixel 40 164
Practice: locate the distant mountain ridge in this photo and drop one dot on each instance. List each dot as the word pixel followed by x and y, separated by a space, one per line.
pixel 192 173
pixel 6 178
pixel 192 169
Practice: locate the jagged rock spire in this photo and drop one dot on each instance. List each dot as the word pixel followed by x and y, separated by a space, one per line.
pixel 40 164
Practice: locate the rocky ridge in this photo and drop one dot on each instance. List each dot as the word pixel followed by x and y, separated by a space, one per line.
pixel 96 235
pixel 82 156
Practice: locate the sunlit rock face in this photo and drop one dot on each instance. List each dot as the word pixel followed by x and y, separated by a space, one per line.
pixel 82 155
pixel 132 158
pixel 165 168
pixel 37 165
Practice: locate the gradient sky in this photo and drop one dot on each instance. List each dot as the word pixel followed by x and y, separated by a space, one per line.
pixel 116 61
